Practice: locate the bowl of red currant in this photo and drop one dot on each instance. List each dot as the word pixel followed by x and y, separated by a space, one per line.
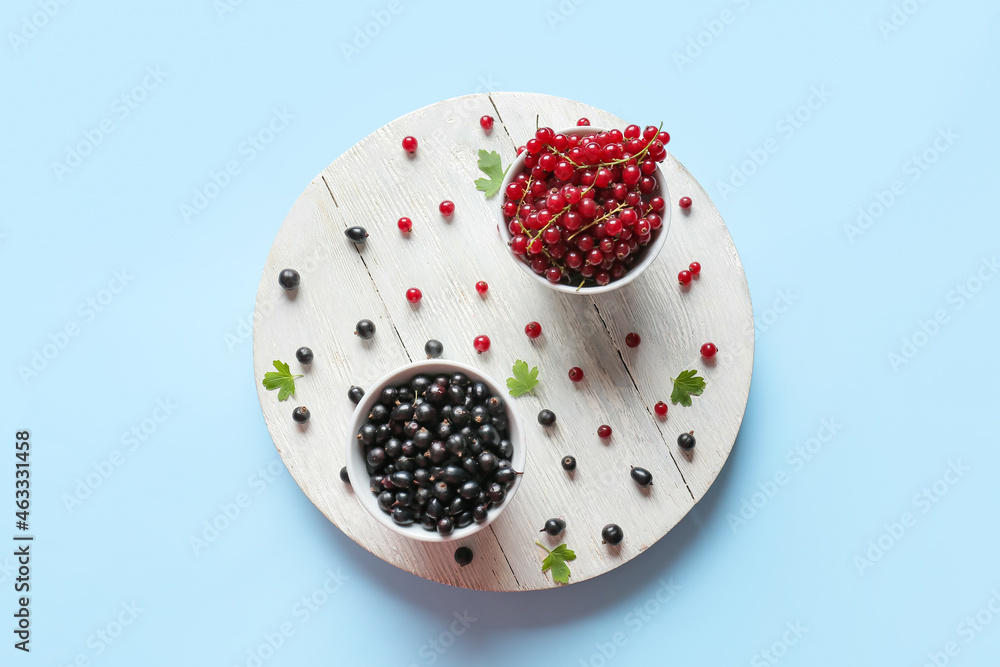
pixel 584 209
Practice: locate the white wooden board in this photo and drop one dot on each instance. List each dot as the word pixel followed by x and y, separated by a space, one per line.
pixel 376 182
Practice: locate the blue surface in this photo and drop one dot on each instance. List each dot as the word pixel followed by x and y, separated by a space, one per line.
pixel 832 304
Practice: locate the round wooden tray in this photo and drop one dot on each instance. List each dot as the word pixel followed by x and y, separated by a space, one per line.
pixel 373 184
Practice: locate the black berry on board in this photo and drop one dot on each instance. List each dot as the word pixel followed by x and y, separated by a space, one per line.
pixel 289 279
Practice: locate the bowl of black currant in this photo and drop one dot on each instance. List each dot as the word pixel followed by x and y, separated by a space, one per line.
pixel 434 451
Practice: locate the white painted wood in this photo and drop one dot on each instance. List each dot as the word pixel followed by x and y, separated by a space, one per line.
pixel 373 184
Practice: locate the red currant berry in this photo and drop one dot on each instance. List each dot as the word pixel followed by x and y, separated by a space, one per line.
pixel 685 202
pixel 633 339
pixel 613 227
pixel 519 244
pixel 604 431
pixel 563 170
pixel 404 224
pixel 413 295
pixel 708 350
pixel 520 149
pixel 684 278
pixel 631 174
pixel 551 235
pixel 410 144
pixel 664 137
pixel 661 409
pixel 535 247
pixel 486 122
pixel 482 287
pixel 532 329
pixel 545 135
pixel 657 204
pixel 533 146
pixel 582 122
pixel 602 278
pixel 650 133
pixel 447 207
pixel 481 343
pixel 553 274
pixel 576 374
pixel 694 268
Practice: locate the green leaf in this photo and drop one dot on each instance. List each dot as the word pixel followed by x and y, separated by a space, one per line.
pixel 686 385
pixel 556 561
pixel 489 164
pixel 283 380
pixel 524 380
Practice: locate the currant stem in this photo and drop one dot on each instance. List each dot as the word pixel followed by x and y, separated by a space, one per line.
pixel 542 545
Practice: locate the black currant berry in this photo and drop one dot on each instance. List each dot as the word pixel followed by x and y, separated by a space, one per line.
pixel 356 234
pixel 569 463
pixel 642 477
pixel 686 440
pixel 355 393
pixel 367 434
pixel 343 476
pixel 379 414
pixel 402 516
pixel 419 384
pixel 612 534
pixel 464 519
pixel 479 513
pixel 424 413
pixel 304 355
pixel 463 556
pixel 505 475
pixel 433 348
pixel 301 414
pixel 289 279
pixel 364 329
pixel 553 527
pixel 388 397
pixel 546 418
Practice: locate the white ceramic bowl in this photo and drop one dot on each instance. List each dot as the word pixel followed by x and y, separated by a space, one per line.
pixel 356 465
pixel 649 252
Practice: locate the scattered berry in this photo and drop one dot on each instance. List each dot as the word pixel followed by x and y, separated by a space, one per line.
pixel 410 144
pixel 404 224
pixel 633 340
pixel 708 350
pixel 569 463
pixel 661 408
pixel 686 440
pixel 364 329
pixel 604 431
pixel 481 343
pixel 486 122
pixel 684 278
pixel 546 418
pixel 576 374
pixel 612 534
pixel 533 330
pixel 305 355
pixel 694 268
pixel 356 234
pixel 553 527
pixel 642 477
pixel 447 207
pixel 355 393
pixel 413 295
pixel 583 122
pixel 289 279
pixel 685 202
pixel 300 414
pixel 433 348
pixel 463 555
pixel 482 287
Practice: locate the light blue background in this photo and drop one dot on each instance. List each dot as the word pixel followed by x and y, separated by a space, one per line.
pixel 824 357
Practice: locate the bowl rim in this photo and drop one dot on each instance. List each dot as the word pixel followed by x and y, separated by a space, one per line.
pixel 358 473
pixel 652 251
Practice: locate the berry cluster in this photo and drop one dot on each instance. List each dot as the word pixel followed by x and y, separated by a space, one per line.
pixel 582 208
pixel 438 452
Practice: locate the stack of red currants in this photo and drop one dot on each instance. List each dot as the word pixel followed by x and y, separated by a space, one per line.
pixel 583 208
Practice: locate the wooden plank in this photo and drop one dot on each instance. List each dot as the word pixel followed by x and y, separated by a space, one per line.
pixel 372 185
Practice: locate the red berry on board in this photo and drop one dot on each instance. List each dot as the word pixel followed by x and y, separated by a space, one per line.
pixel 410 144
pixel 576 374
pixel 661 409
pixel 486 122
pixel 708 350
pixel 685 202
pixel 684 277
pixel 481 343
pixel 694 268
pixel 633 339
pixel 404 224
pixel 413 295
pixel 447 207
pixel 482 287
pixel 604 431
pixel 583 121
pixel 533 330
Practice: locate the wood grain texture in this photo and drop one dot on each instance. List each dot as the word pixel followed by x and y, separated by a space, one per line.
pixel 373 184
